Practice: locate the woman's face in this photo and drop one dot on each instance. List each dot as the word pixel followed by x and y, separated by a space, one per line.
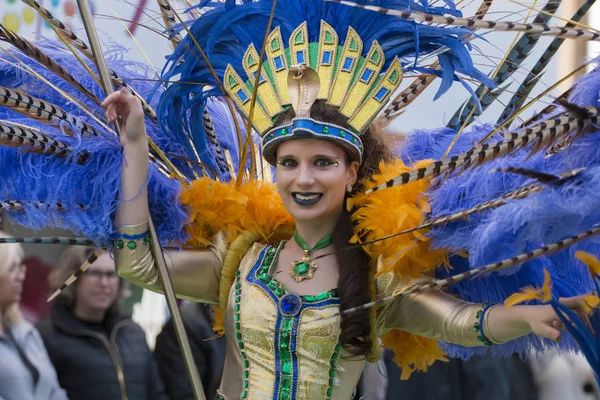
pixel 312 175
pixel 11 284
pixel 99 286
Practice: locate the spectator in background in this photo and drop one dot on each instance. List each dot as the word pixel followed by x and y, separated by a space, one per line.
pixel 25 370
pixel 208 354
pixel 478 378
pixel 98 353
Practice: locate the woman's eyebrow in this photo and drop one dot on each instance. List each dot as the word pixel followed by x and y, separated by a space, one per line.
pixel 324 156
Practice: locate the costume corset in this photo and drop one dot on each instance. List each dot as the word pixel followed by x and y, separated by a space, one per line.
pixel 273 343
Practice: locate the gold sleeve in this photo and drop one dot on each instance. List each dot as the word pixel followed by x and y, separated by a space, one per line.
pixel 433 314
pixel 195 274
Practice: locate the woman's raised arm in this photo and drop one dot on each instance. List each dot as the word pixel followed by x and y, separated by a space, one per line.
pixel 195 274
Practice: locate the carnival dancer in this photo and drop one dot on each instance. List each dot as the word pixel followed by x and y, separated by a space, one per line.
pixel 309 275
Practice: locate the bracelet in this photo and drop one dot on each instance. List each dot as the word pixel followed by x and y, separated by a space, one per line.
pixel 119 240
pixel 478 326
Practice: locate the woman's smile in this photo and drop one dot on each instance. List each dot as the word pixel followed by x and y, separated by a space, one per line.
pixel 306 199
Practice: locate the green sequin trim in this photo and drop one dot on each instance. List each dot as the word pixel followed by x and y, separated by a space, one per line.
pixel 119 244
pixel 131 245
pixel 238 335
pixel 332 370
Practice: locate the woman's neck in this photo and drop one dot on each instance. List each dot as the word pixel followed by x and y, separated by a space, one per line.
pixel 313 231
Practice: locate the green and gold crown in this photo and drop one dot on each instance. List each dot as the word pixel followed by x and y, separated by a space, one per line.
pixel 305 72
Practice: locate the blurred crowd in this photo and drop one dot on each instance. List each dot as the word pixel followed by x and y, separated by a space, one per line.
pixel 84 346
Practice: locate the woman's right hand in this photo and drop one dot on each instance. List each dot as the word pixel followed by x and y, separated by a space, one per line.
pixel 126 109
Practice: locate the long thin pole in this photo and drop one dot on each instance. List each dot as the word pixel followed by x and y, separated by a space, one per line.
pixel 86 15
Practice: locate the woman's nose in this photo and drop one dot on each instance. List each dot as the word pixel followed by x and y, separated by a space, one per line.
pixel 305 176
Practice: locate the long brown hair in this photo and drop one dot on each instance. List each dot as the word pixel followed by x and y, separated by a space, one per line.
pixel 354 263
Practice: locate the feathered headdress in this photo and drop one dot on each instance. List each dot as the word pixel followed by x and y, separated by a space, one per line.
pixel 314 51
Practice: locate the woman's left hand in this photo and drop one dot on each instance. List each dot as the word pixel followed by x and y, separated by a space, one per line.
pixel 545 323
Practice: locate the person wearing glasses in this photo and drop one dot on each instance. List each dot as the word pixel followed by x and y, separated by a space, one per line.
pixel 26 372
pixel 98 352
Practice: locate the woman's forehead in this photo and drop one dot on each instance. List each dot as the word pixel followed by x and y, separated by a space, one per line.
pixel 309 147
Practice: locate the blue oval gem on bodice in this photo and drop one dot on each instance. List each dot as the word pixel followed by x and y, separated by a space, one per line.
pixel 290 304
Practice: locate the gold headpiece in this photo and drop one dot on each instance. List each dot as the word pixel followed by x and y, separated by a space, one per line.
pixel 304 72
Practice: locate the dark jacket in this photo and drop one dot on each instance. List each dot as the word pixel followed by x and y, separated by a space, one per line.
pixel 95 365
pixel 208 354
pixel 478 378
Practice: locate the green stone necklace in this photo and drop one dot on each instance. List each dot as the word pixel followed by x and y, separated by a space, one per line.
pixel 305 267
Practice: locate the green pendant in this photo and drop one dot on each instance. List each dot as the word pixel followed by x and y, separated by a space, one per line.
pixel 303 268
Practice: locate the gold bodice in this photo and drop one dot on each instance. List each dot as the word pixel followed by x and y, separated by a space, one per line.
pixel 283 346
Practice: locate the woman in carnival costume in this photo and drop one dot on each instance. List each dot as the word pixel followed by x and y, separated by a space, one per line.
pixel 282 263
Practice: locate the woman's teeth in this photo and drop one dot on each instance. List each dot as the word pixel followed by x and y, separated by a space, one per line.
pixel 306 197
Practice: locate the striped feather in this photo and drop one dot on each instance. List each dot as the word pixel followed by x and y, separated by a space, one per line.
pixel 515 57
pixel 522 93
pixel 409 94
pixel 33 141
pixel 20 205
pixel 29 49
pixel 77 273
pixel 76 241
pixel 82 46
pixel 212 137
pixel 45 112
pixel 63 30
pixel 169 18
pixel 548 109
pixel 542 134
pixel 423 81
pixel 474 23
pixel 474 273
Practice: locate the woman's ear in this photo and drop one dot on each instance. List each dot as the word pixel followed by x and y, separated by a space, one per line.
pixel 353 172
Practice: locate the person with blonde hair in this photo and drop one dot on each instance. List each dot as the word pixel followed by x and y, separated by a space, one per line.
pixel 98 352
pixel 25 372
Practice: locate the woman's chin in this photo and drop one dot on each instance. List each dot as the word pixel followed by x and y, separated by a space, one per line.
pixel 301 213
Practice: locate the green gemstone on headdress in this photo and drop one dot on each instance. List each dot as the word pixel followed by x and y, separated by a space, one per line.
pixel 231 81
pixel 354 140
pixel 394 77
pixel 342 134
pixel 251 60
pixel 325 129
pixel 301 269
pixel 275 44
pixel 353 44
pixel 328 37
pixel 299 39
pixel 284 131
pixel 376 57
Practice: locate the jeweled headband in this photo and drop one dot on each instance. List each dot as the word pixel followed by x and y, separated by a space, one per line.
pixel 305 72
